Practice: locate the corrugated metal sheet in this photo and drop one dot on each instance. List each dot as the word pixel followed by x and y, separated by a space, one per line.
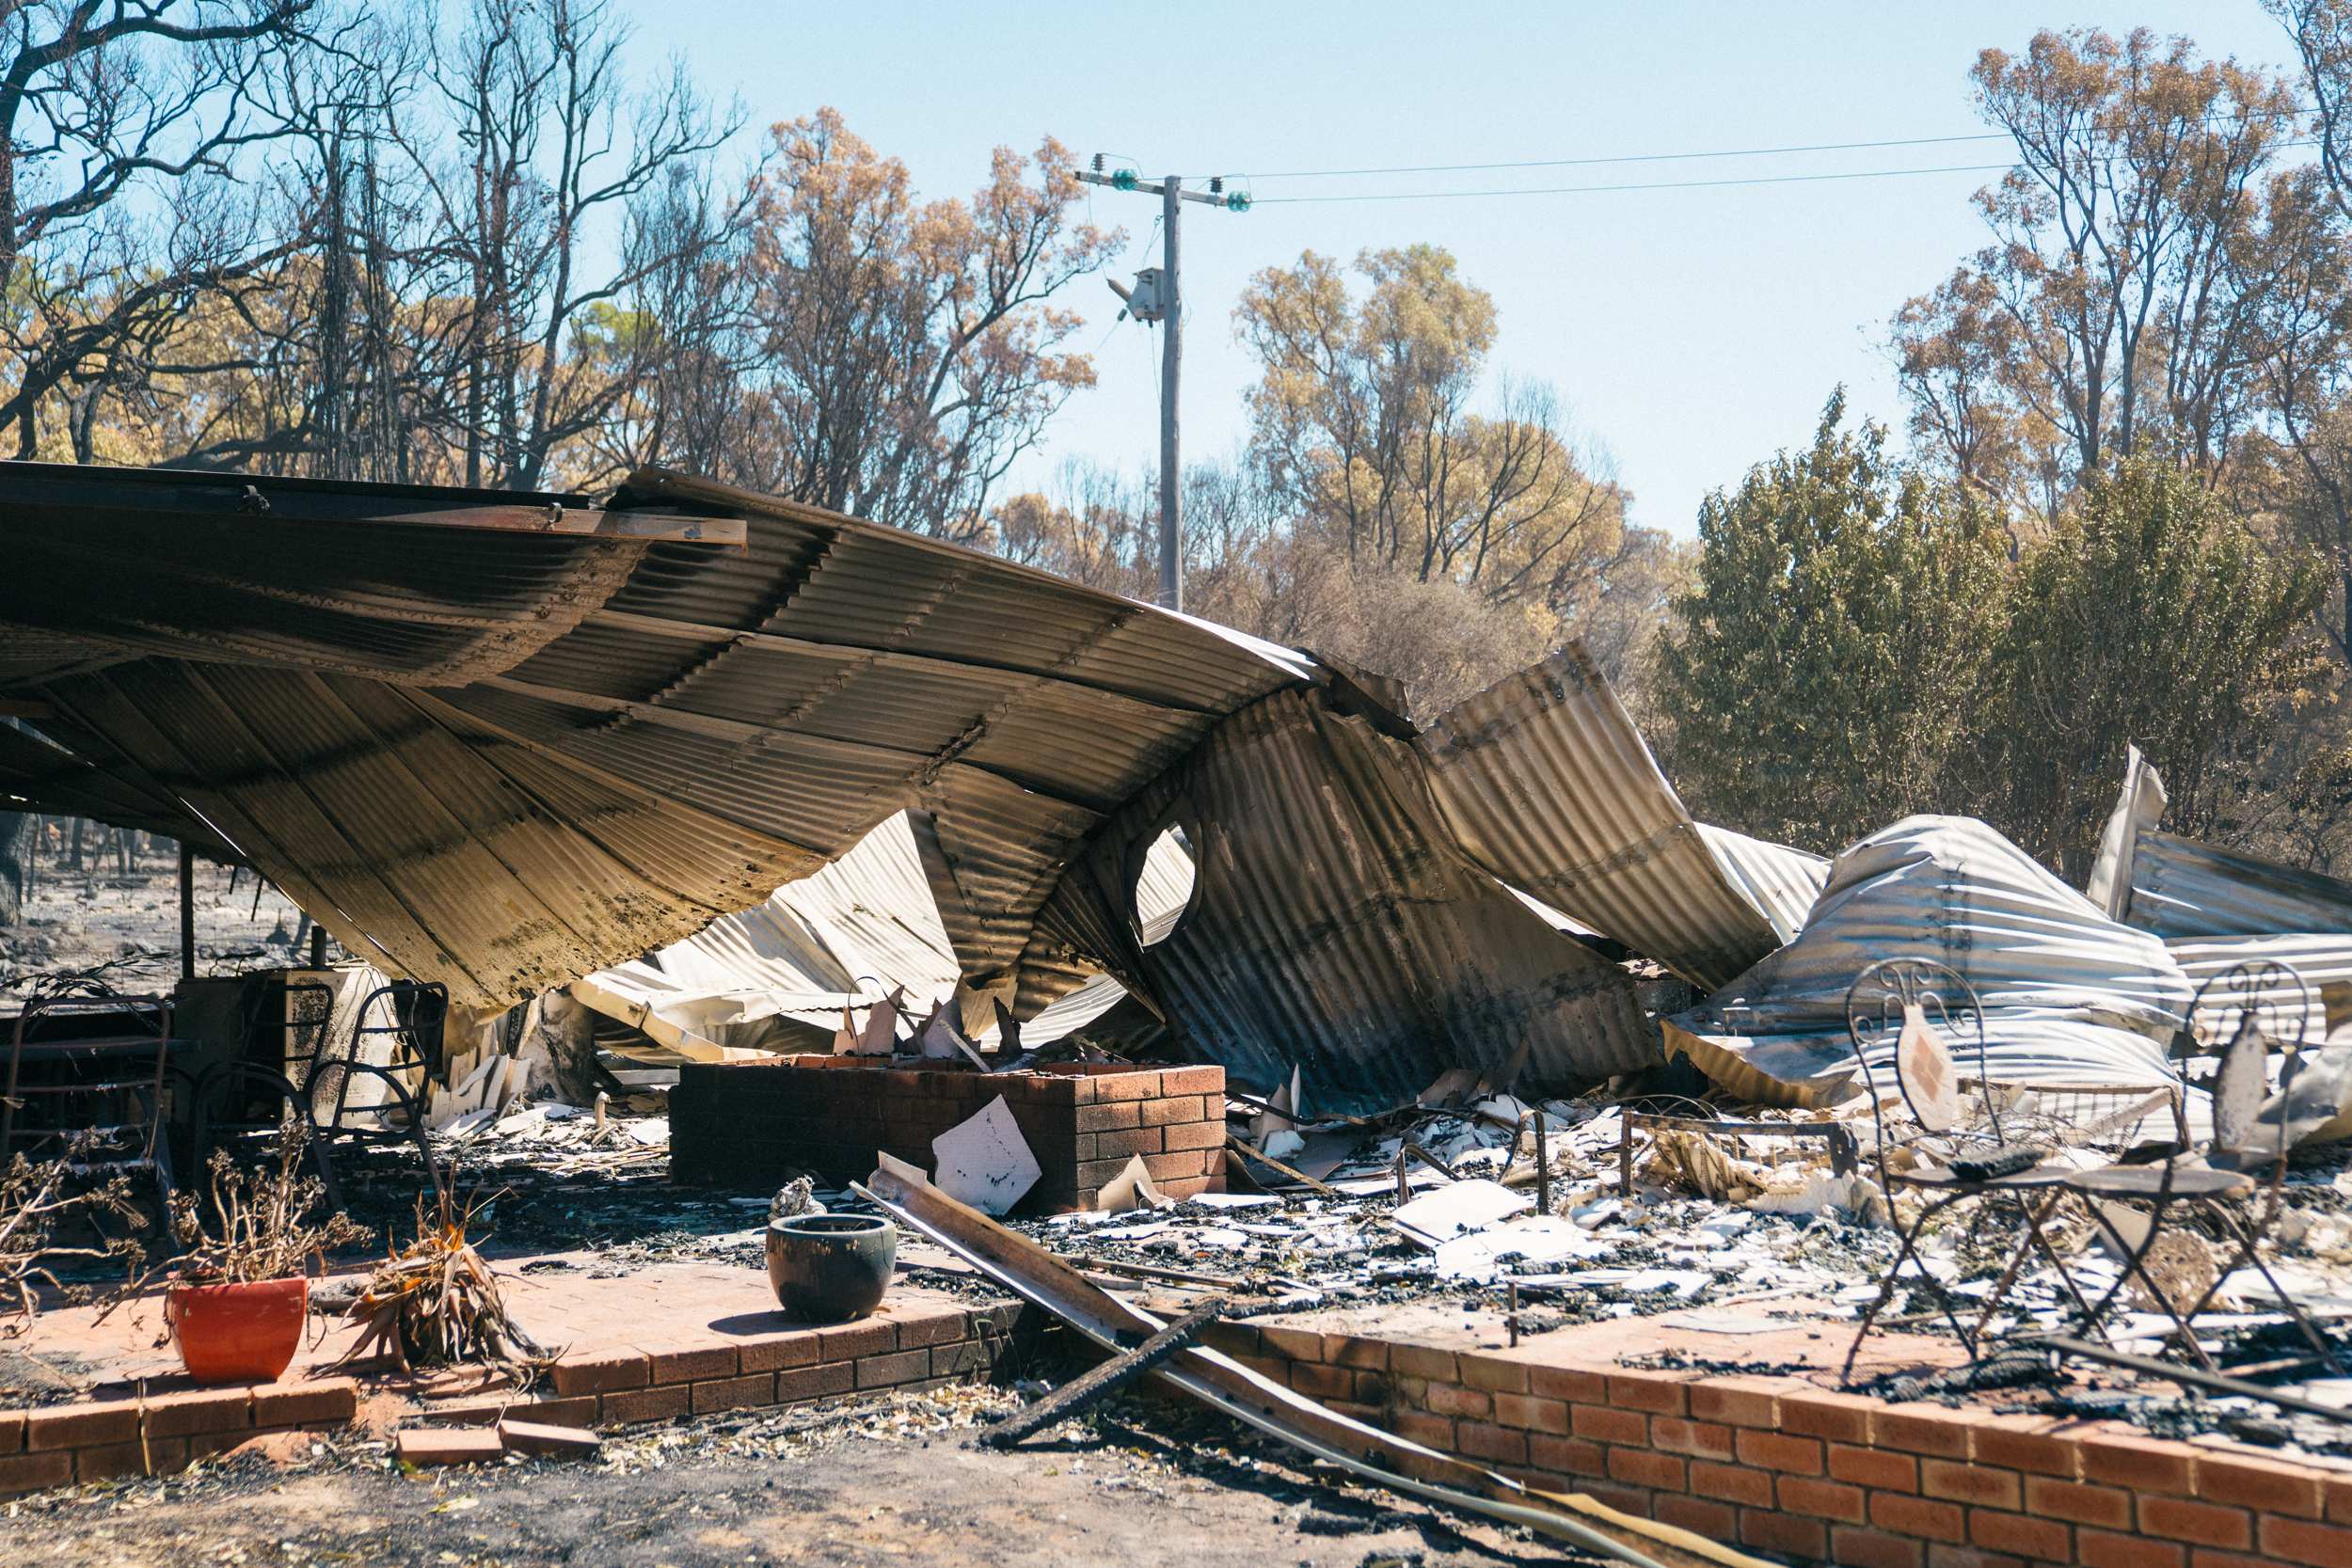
pixel 2216 909
pixel 36 769
pixel 776 976
pixel 2181 888
pixel 504 758
pixel 2070 996
pixel 1337 927
pixel 1545 780
pixel 1779 880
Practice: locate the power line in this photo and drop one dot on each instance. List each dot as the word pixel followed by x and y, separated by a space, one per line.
pixel 1672 185
pixel 1630 158
pixel 1646 185
pixel 1673 157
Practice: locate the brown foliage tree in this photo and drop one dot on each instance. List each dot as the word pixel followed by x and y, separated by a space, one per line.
pixel 910 354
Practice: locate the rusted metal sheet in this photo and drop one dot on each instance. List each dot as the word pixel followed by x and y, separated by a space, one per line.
pixel 34 770
pixel 503 757
pixel 358 579
pixel 1545 779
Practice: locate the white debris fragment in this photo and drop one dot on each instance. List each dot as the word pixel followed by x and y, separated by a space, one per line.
pixel 1281 1145
pixel 1456 1209
pixel 1855 1197
pixel 985 1162
pixel 1131 1189
pixel 1538 1239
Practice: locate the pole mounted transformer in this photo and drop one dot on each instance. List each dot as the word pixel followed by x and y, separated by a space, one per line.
pixel 1156 296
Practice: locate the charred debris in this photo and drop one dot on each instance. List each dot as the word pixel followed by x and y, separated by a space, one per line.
pixel 687 778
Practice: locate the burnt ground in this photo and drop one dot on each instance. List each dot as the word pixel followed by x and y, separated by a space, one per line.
pixel 877 1482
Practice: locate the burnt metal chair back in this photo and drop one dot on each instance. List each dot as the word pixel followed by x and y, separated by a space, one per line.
pixel 1878 1005
pixel 2254 1005
pixel 2261 1006
pixel 108 1083
pixel 1974 1159
pixel 417 1012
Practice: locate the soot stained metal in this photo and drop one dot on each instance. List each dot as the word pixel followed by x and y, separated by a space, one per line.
pixel 503 741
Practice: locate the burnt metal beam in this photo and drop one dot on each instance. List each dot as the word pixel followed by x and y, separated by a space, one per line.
pixel 2188 1377
pixel 1099 1382
pixel 60 495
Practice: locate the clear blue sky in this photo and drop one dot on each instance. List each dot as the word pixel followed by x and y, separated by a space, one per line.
pixel 1693 331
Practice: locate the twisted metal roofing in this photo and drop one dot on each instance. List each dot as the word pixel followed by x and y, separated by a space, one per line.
pixel 1545 779
pixel 503 741
pixel 2218 908
pixel 2068 996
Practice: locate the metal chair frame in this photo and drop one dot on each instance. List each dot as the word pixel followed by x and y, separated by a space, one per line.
pixel 327 1074
pixel 86 997
pixel 2259 984
pixel 1876 1001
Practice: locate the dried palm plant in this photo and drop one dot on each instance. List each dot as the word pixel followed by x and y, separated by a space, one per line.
pixel 436 1302
pixel 260 1225
pixel 33 1203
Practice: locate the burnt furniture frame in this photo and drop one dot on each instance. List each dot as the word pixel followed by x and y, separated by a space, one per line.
pixel 1877 1003
pixel 122 1075
pixel 2272 1005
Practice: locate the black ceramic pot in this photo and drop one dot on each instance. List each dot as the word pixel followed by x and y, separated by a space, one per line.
pixel 830 1268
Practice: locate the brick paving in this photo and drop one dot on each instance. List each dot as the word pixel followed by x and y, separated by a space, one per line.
pixel 665 1341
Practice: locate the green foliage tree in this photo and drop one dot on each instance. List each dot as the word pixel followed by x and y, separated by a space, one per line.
pixel 2150 616
pixel 1834 644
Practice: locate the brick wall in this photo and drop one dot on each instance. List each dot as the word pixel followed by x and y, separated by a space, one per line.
pixel 1779 1466
pixel 906 1345
pixel 96 1439
pixel 902 1346
pixel 753 1124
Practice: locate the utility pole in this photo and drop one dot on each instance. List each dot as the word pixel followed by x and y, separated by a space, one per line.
pixel 1156 297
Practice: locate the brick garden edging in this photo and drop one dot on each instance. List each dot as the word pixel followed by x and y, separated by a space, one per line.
pixel 96 1439
pixel 922 1345
pixel 1779 1465
pixel 752 1124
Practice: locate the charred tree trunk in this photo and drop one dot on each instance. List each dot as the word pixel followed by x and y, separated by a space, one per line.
pixel 16 856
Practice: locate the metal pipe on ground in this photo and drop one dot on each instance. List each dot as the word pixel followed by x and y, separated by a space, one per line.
pixel 1227 1385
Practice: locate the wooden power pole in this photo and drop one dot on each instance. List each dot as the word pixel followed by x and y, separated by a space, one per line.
pixel 1156 296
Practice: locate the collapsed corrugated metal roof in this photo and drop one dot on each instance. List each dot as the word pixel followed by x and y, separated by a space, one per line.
pixel 1545 779
pixel 1337 926
pixel 2216 909
pixel 503 741
pixel 777 976
pixel 2069 997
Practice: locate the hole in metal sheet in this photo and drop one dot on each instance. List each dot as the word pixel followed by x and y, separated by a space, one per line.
pixel 1164 886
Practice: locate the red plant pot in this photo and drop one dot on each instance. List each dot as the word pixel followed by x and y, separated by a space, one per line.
pixel 238 1333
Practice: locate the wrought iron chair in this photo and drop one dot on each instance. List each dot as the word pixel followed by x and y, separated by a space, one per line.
pixel 417 1012
pixel 2253 1007
pixel 1907 1012
pixel 227 1101
pixel 99 1069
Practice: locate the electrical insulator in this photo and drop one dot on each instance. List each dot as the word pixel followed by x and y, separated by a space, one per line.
pixel 1123 181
